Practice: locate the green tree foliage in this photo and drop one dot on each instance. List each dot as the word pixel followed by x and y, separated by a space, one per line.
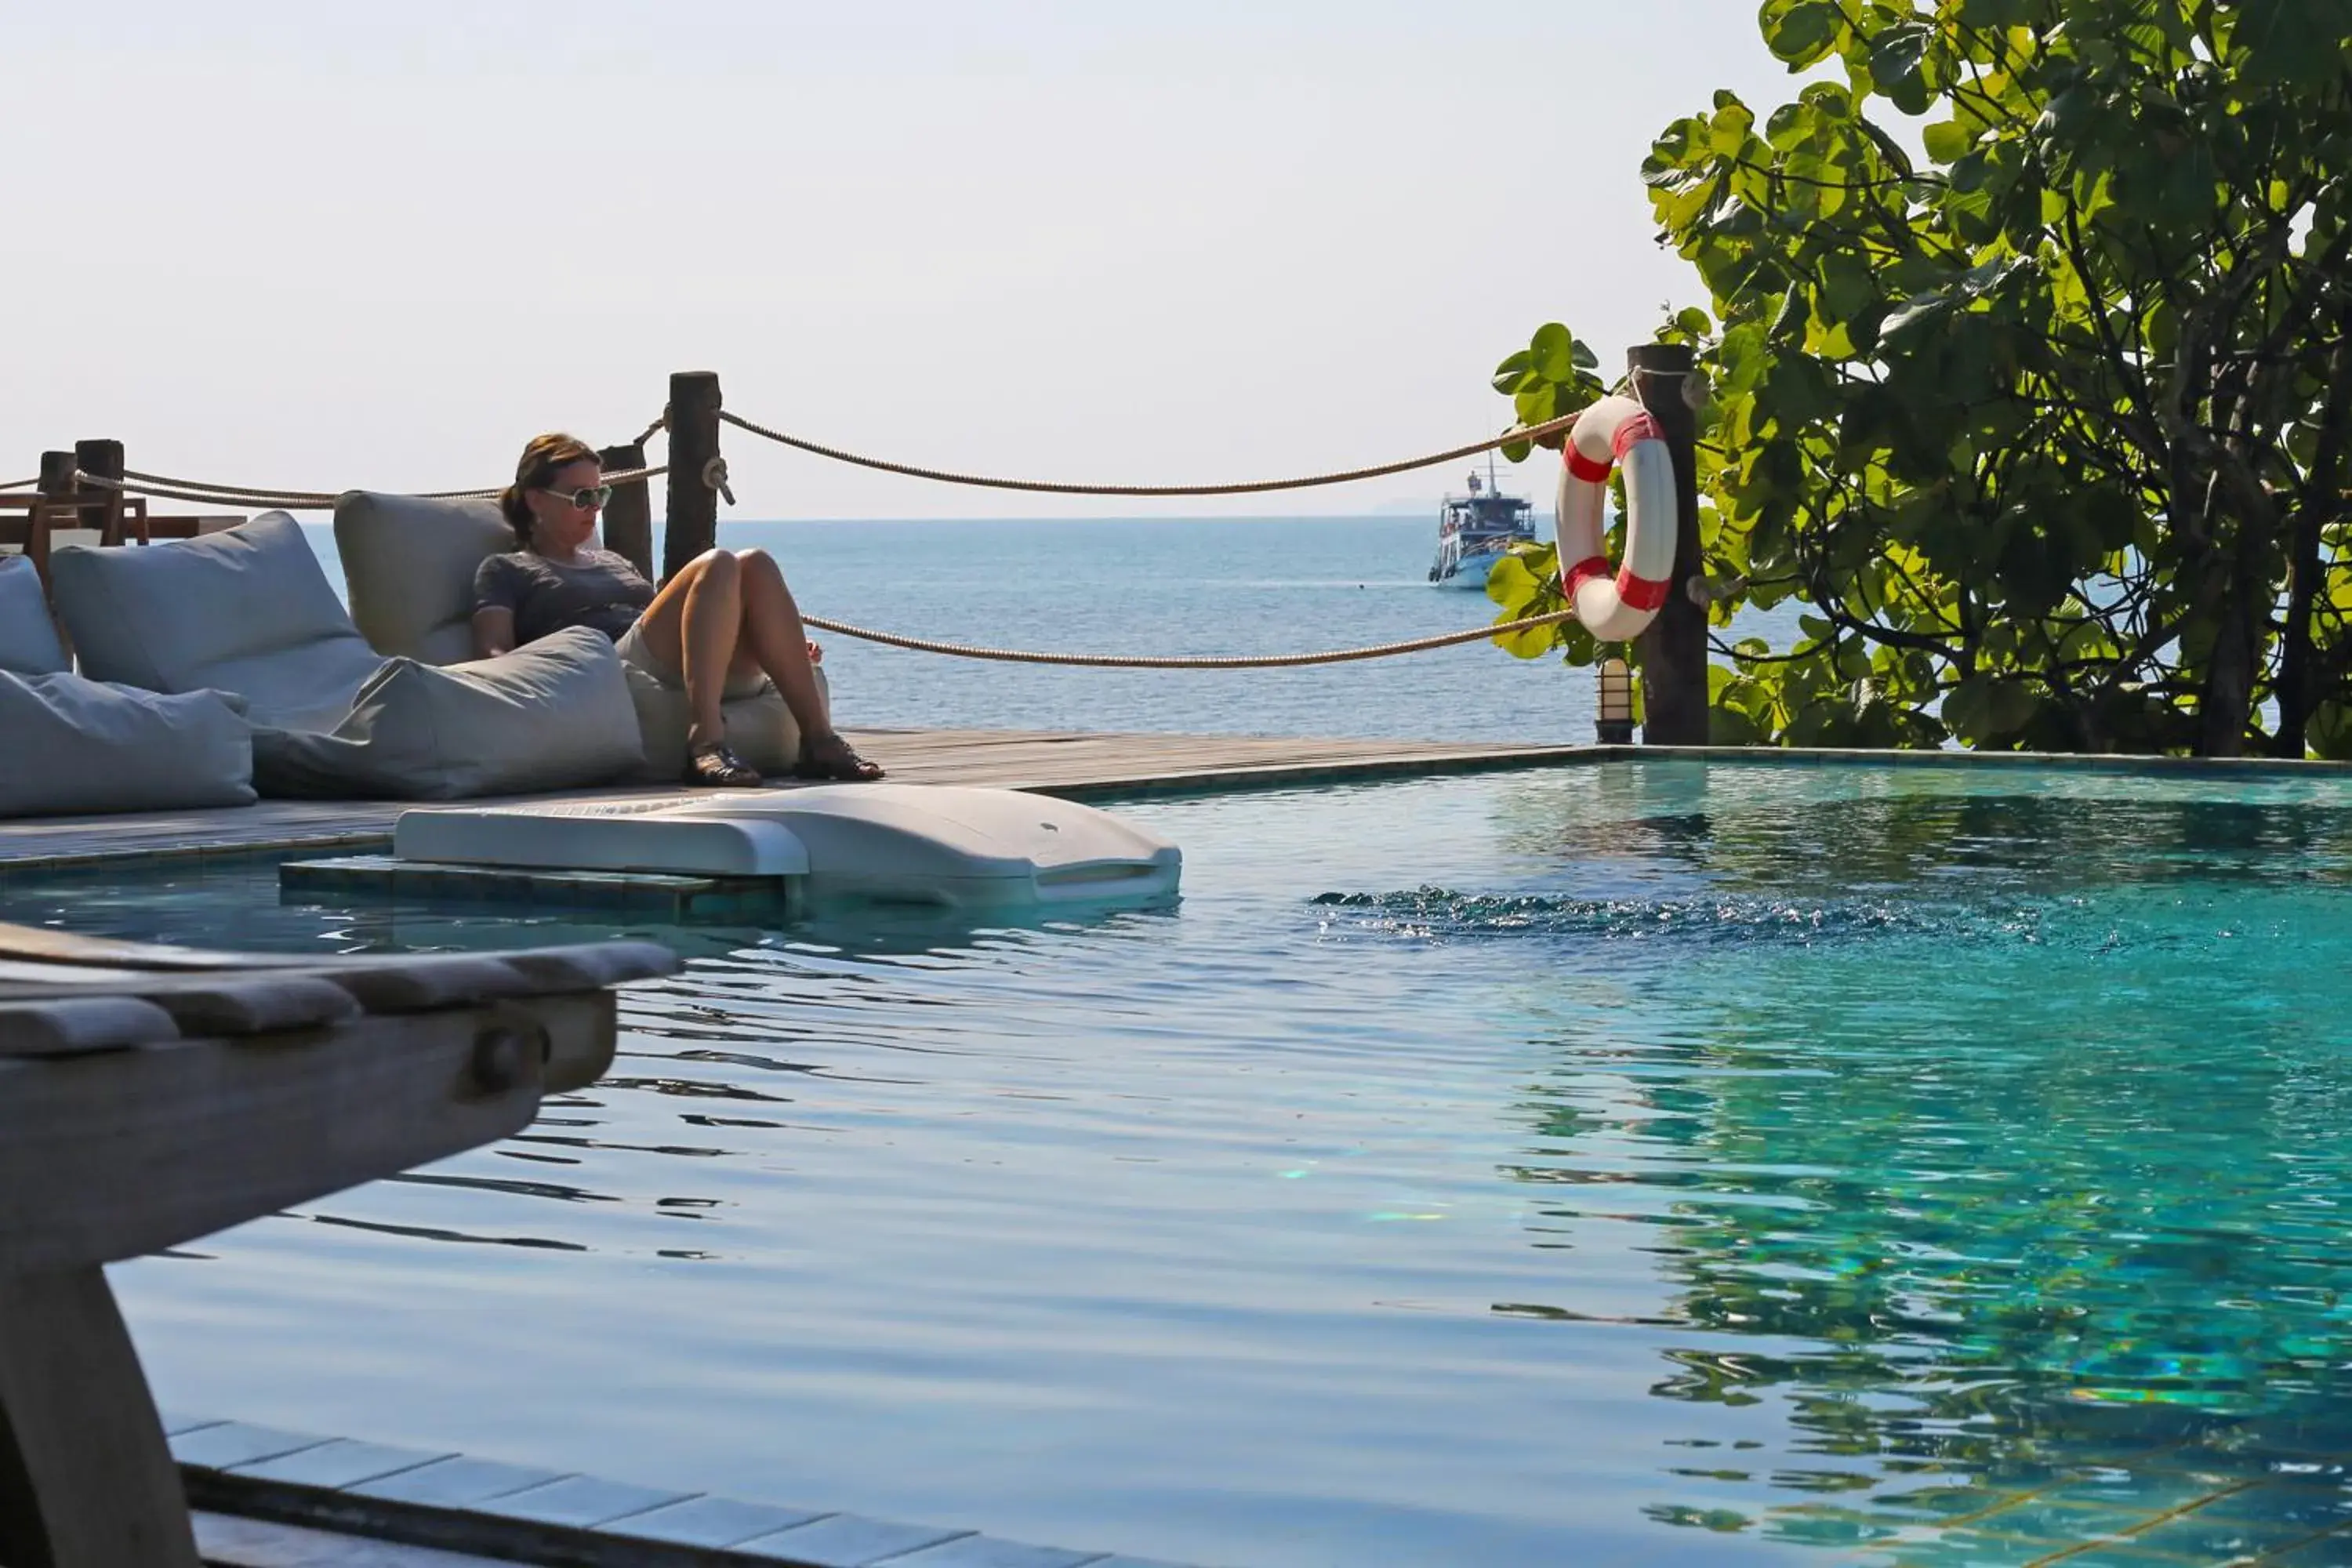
pixel 2049 432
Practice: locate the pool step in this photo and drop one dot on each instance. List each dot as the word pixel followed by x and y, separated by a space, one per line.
pixel 454 1512
pixel 656 896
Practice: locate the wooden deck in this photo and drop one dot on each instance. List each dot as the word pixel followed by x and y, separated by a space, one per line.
pixel 1090 766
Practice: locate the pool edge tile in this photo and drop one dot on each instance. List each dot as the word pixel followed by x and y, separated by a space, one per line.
pixel 220 1445
pixel 991 1551
pixel 846 1541
pixel 338 1466
pixel 459 1483
pixel 582 1503
pixel 710 1521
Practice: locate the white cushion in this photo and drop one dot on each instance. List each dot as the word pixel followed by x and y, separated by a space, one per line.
pixel 247 610
pixel 76 745
pixel 28 640
pixel 409 564
pixel 550 715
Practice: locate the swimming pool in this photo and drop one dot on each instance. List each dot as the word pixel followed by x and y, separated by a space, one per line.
pixel 1643 1162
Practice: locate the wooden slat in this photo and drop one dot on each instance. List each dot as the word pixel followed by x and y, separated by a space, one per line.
pixel 105 1157
pixel 188 1005
pixel 65 1027
pixel 36 960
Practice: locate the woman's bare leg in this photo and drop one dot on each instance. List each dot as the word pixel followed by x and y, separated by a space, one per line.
pixel 772 631
pixel 692 626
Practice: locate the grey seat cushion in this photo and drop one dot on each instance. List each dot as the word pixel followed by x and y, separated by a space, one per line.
pixel 409 564
pixel 246 611
pixel 28 640
pixel 551 715
pixel 76 745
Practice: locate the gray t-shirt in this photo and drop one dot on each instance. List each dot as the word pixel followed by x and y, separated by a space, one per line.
pixel 603 591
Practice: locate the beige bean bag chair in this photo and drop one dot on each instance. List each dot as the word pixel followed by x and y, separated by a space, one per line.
pixel 409 565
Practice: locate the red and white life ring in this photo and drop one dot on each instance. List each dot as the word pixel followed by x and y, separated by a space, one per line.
pixel 1615 607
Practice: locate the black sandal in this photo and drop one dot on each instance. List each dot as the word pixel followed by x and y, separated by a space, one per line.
pixel 831 758
pixel 720 766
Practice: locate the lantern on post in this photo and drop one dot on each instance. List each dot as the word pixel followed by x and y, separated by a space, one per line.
pixel 1615 721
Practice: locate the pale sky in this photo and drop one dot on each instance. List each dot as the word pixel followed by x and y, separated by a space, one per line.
pixel 319 244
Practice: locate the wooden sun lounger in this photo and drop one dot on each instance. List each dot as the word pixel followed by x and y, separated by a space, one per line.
pixel 149 1095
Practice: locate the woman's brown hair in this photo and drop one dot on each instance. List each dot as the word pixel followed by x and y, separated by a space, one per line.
pixel 541 459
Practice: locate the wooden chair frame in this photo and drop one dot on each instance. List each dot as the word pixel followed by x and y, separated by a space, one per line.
pixel 149 1095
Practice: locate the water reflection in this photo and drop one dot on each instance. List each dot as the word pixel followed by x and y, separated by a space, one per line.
pixel 2028 1157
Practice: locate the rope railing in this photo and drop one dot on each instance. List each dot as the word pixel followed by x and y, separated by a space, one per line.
pixel 322 495
pixel 170 487
pixel 304 501
pixel 1201 662
pixel 1251 487
pixel 289 501
pixel 135 482
pixel 173 488
pixel 297 501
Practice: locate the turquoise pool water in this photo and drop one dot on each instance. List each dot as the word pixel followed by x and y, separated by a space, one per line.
pixel 1643 1163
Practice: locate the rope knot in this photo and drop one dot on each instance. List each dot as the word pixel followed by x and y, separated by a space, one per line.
pixel 714 476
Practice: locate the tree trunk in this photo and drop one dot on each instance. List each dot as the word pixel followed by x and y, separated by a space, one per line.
pixel 2227 702
pixel 2295 697
pixel 2299 694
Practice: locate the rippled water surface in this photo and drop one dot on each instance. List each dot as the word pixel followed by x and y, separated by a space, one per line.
pixel 1649 1164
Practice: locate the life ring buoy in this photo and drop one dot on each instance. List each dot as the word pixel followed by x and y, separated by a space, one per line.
pixel 1616 606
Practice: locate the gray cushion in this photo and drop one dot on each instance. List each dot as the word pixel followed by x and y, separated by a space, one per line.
pixel 76 745
pixel 409 564
pixel 551 715
pixel 28 641
pixel 247 610
pixel 759 729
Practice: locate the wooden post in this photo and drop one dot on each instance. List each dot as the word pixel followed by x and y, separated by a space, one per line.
pixel 1674 648
pixel 629 515
pixel 692 526
pixel 55 484
pixel 57 481
pixel 103 510
pixel 86 1477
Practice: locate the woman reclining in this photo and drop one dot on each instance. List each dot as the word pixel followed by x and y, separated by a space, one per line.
pixel 724 623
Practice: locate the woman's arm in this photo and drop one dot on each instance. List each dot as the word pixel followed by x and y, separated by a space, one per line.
pixel 494 631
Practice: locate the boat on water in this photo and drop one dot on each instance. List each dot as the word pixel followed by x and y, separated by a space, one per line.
pixel 1476 530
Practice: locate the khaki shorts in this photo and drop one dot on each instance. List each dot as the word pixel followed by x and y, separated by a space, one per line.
pixel 633 650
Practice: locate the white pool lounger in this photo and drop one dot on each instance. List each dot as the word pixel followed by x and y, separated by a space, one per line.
pixel 934 844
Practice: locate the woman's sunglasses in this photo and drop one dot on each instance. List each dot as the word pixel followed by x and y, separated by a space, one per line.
pixel 590 498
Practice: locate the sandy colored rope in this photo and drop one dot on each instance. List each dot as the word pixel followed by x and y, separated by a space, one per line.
pixel 305 500
pixel 288 501
pixel 324 496
pixel 1255 487
pixel 1210 661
